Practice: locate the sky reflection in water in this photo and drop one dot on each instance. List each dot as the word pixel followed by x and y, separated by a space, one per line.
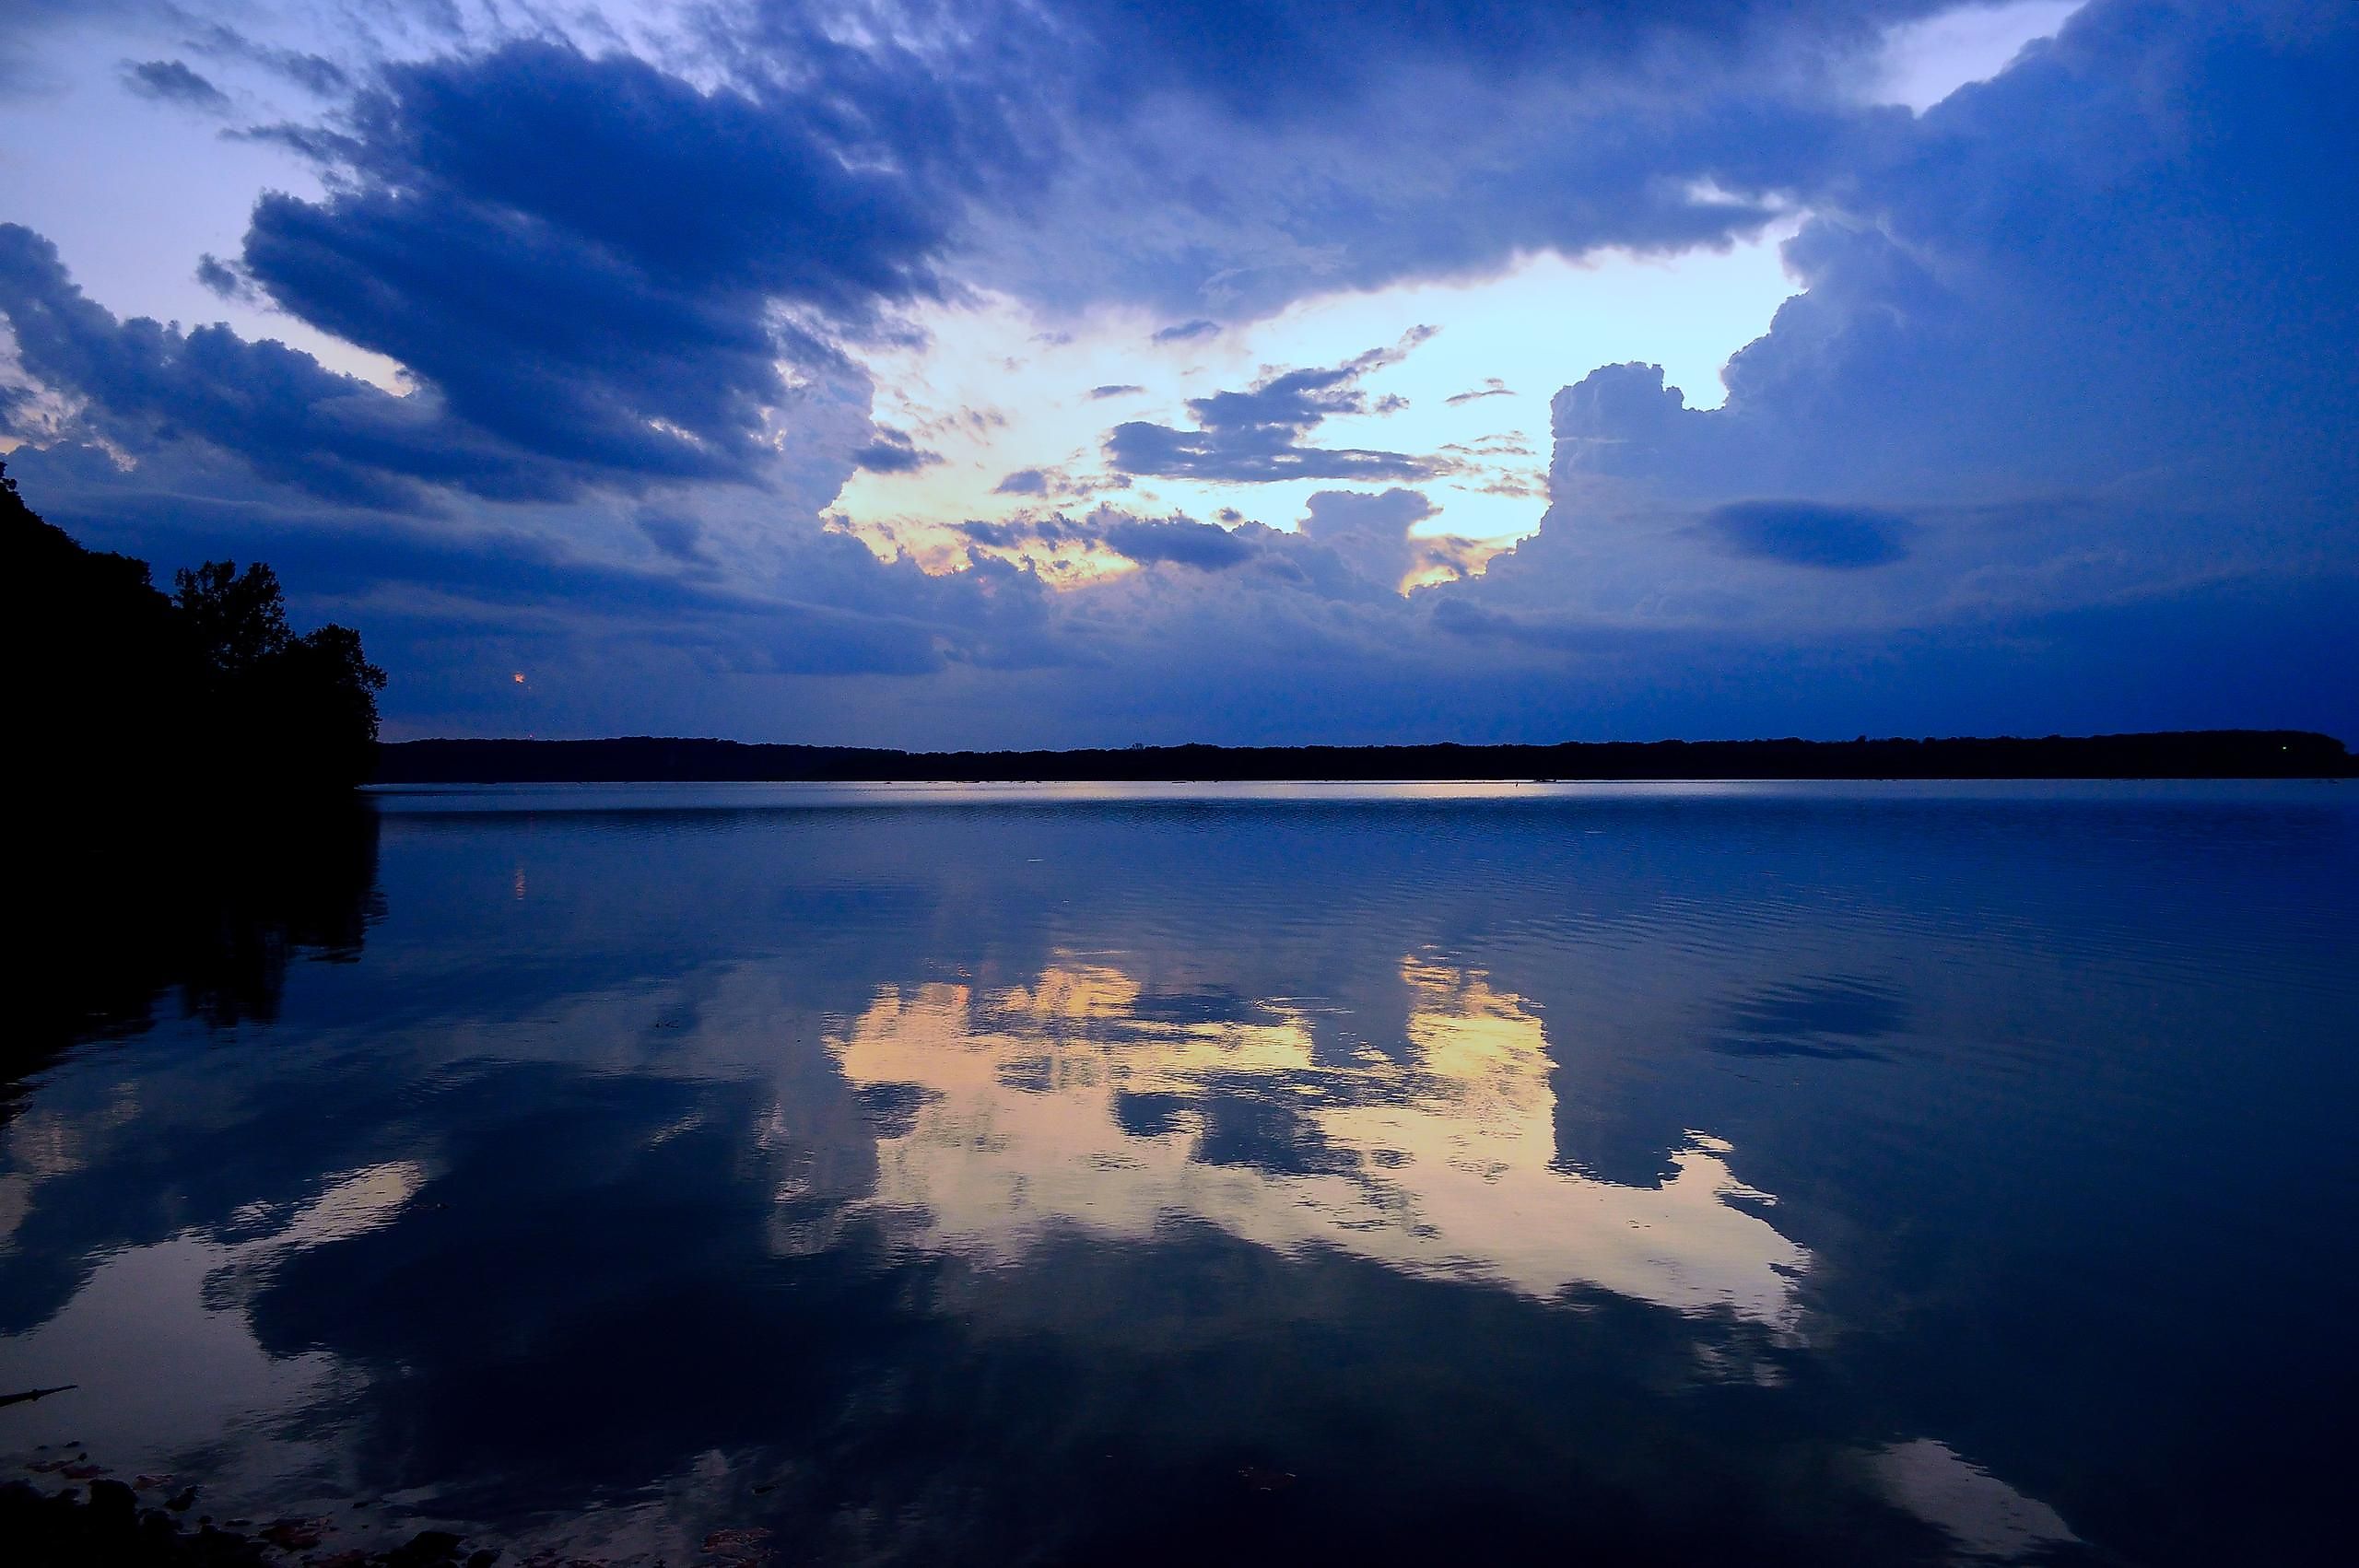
pixel 1808 1174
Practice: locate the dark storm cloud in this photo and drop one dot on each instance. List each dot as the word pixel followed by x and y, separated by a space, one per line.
pixel 1023 482
pixel 1117 388
pixel 170 81
pixel 147 384
pixel 1801 534
pixel 2122 260
pixel 2089 327
pixel 621 308
pixel 615 305
pixel 1281 146
pixel 614 315
pixel 1256 435
pixel 1289 148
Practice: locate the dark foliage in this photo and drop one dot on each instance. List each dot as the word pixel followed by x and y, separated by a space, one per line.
pixel 120 688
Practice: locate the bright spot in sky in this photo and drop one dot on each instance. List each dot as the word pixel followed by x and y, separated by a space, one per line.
pixel 996 391
pixel 1924 62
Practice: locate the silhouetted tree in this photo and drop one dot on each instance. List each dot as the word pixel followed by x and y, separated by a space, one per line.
pixel 238 621
pixel 98 670
pixel 119 687
pixel 300 710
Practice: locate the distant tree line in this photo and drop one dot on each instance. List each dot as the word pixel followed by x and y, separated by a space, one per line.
pixel 2192 753
pixel 118 686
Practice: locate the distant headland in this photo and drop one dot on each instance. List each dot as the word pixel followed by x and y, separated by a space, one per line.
pixel 2190 754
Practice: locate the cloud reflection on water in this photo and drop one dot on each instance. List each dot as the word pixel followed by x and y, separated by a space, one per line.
pixel 874 1170
pixel 1443 1162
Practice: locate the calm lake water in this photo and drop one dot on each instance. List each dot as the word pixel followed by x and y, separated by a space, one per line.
pixel 1807 1174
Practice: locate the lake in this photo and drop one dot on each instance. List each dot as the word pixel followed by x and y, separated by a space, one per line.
pixel 1796 1173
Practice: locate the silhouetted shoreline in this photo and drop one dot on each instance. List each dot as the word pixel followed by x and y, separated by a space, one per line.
pixel 2194 754
pixel 208 688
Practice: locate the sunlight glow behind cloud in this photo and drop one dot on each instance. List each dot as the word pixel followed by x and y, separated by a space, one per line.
pixel 998 392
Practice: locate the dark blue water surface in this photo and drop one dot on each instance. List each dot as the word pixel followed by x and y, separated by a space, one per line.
pixel 1712 1172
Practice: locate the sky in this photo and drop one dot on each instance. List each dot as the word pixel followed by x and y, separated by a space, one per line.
pixel 1068 372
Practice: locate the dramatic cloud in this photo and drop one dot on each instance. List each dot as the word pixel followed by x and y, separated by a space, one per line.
pixel 2085 334
pixel 2083 274
pixel 146 384
pixel 618 305
pixel 557 335
pixel 2053 434
pixel 1285 150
